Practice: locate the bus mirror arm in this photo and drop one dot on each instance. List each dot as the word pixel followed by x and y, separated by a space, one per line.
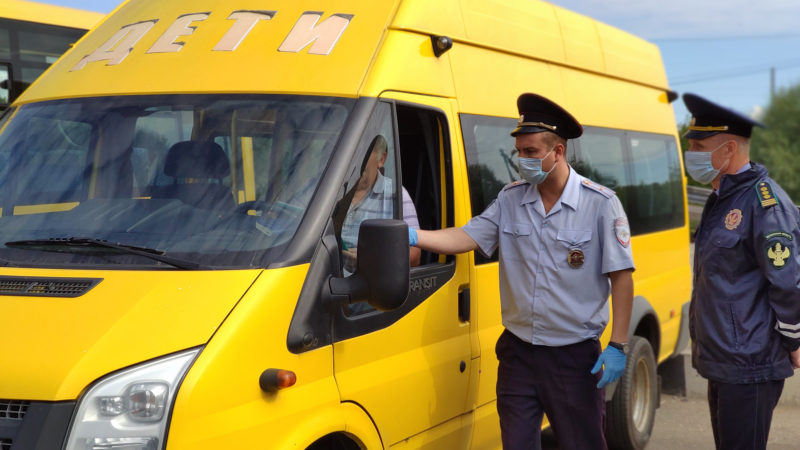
pixel 382 272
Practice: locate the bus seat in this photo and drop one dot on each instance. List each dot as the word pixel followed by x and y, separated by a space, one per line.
pixel 198 169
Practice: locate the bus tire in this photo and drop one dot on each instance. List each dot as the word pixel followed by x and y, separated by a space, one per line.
pixel 631 413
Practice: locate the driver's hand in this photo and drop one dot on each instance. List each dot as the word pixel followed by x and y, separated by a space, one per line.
pixel 349 257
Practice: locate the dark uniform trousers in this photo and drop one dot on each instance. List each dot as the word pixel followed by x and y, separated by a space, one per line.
pixel 741 413
pixel 533 380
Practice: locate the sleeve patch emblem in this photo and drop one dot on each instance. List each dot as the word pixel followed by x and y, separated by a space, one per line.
pixel 778 254
pixel 623 231
pixel 733 219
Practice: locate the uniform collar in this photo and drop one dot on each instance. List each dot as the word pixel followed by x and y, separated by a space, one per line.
pixel 745 178
pixel 572 191
pixel 569 197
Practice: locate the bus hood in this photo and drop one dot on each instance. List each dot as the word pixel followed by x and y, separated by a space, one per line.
pixel 55 346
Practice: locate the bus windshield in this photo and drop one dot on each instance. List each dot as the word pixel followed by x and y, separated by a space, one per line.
pixel 211 180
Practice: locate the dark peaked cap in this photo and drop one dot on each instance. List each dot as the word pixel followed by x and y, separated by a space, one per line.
pixel 709 119
pixel 539 114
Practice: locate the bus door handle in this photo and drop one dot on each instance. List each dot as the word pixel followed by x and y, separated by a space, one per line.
pixel 463 304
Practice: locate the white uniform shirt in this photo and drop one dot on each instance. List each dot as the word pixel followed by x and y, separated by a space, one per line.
pixel 545 299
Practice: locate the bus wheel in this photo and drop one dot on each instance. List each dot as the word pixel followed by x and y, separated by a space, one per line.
pixel 632 411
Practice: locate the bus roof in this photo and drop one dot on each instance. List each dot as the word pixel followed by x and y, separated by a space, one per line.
pixel 539 30
pixel 209 46
pixel 49 14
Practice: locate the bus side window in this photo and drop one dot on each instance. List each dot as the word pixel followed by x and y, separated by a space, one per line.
pixel 424 149
pixel 642 168
pixel 5 84
pixel 492 162
pixel 370 193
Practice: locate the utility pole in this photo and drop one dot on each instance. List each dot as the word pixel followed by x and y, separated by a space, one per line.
pixel 771 83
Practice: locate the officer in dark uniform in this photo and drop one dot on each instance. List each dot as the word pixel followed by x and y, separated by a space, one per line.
pixel 564 245
pixel 745 309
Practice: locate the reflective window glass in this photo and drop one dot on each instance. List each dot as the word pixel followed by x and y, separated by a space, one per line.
pixel 4 76
pixel 43 47
pixel 5 43
pixel 221 179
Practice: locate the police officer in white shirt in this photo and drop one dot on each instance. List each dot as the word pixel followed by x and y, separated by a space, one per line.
pixel 564 245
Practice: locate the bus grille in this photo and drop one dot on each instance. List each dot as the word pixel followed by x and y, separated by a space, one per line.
pixel 13 409
pixel 34 424
pixel 46 287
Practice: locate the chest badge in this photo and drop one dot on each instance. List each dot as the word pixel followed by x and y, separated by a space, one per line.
pixel 733 219
pixel 778 254
pixel 575 258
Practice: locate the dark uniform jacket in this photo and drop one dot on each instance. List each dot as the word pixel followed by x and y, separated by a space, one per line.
pixel 745 311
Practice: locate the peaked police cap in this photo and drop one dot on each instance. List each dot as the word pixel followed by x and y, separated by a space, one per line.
pixel 709 119
pixel 537 114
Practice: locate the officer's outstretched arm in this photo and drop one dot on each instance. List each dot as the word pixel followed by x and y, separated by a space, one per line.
pixel 448 241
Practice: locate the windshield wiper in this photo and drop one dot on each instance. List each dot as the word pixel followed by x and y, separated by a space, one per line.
pixel 151 253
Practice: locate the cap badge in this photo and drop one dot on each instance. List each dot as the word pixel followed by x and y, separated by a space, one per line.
pixel 733 219
pixel 575 258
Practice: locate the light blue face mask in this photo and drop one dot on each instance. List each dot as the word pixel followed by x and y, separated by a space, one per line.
pixel 699 166
pixel 530 169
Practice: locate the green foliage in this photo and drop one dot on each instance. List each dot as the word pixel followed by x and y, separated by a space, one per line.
pixel 778 145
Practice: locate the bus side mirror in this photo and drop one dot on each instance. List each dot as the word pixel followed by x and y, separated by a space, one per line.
pixel 382 272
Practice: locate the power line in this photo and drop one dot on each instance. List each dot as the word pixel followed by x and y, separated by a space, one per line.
pixel 734 72
pixel 726 38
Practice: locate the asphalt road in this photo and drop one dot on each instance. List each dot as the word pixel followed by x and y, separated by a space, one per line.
pixel 683 423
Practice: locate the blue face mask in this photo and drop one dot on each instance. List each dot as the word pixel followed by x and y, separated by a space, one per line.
pixel 530 169
pixel 699 167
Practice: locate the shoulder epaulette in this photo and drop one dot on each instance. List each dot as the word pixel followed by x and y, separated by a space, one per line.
pixel 599 188
pixel 765 194
pixel 515 184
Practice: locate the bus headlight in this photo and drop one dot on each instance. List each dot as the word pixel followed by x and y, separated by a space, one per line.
pixel 129 409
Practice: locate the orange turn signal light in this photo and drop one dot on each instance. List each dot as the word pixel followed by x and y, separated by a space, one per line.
pixel 273 380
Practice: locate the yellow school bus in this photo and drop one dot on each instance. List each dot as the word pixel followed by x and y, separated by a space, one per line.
pixel 174 192
pixel 32 36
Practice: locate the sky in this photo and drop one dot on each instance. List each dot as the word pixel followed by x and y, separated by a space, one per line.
pixel 723 50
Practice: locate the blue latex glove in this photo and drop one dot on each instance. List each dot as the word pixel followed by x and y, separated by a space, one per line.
pixel 412 236
pixel 614 361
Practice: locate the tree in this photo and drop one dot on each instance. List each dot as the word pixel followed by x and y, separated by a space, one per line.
pixel 778 145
